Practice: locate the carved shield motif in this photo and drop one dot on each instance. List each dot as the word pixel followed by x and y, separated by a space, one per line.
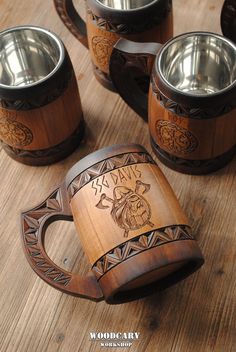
pixel 130 210
pixel 175 138
pixel 15 133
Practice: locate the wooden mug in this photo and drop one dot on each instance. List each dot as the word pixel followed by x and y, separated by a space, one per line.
pixel 109 20
pixel 41 119
pixel 228 19
pixel 191 105
pixel 130 224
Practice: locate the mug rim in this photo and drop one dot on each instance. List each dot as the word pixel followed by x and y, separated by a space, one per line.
pixel 127 11
pixel 100 155
pixel 179 91
pixel 56 39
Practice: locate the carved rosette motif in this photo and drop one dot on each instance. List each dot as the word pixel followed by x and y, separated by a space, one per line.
pixel 15 133
pixel 139 244
pixel 32 221
pixel 132 28
pixel 188 111
pixel 105 166
pixel 58 149
pixel 102 48
pixel 175 138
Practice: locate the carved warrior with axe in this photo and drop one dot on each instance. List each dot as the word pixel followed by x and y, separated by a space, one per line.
pixel 130 210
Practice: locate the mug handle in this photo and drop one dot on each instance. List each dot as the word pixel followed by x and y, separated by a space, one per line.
pixel 72 20
pixel 130 69
pixel 34 224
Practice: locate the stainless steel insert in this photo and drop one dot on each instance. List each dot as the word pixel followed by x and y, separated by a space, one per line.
pixel 199 64
pixel 125 4
pixel 27 55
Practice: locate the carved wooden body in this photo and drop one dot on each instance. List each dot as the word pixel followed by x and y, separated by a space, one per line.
pixel 41 125
pixel 188 143
pixel 131 227
pixel 105 26
pixel 189 134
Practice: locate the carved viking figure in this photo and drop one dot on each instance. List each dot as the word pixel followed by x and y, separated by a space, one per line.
pixel 130 210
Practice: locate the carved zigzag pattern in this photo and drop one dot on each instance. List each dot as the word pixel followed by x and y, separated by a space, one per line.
pixel 31 225
pixel 130 28
pixel 190 112
pixel 140 244
pixel 105 166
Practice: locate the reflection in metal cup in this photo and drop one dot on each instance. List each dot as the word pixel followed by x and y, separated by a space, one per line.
pixel 199 63
pixel 28 55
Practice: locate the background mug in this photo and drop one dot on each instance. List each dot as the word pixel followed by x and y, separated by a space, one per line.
pixel 41 119
pixel 228 19
pixel 192 97
pixel 109 20
pixel 130 224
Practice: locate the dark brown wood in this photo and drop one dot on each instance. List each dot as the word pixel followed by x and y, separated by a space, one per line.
pixel 105 26
pixel 130 68
pixel 193 167
pixel 123 192
pixel 34 224
pixel 228 19
pixel 72 20
pixel 188 133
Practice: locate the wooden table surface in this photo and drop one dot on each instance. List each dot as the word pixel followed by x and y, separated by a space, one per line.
pixel 195 315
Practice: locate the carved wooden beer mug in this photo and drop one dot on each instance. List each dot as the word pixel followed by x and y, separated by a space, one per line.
pixel 130 224
pixel 41 119
pixel 109 20
pixel 191 105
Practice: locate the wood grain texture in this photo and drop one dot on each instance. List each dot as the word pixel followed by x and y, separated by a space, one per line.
pixel 92 208
pixel 196 315
pixel 49 124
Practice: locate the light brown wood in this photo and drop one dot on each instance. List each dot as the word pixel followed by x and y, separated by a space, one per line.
pixel 196 315
pixel 98 232
pixel 49 124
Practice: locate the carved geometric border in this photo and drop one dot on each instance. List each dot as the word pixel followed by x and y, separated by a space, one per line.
pixel 105 166
pixel 205 164
pixel 139 244
pixel 188 111
pixel 146 23
pixel 39 99
pixel 31 225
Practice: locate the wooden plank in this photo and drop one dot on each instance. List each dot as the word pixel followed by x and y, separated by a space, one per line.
pixel 195 315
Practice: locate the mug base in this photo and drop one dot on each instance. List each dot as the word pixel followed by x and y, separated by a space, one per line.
pixel 193 167
pixel 50 155
pixel 151 271
pixel 104 79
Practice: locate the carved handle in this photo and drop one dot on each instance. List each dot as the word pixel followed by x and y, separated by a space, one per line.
pixel 72 20
pixel 34 225
pixel 130 69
